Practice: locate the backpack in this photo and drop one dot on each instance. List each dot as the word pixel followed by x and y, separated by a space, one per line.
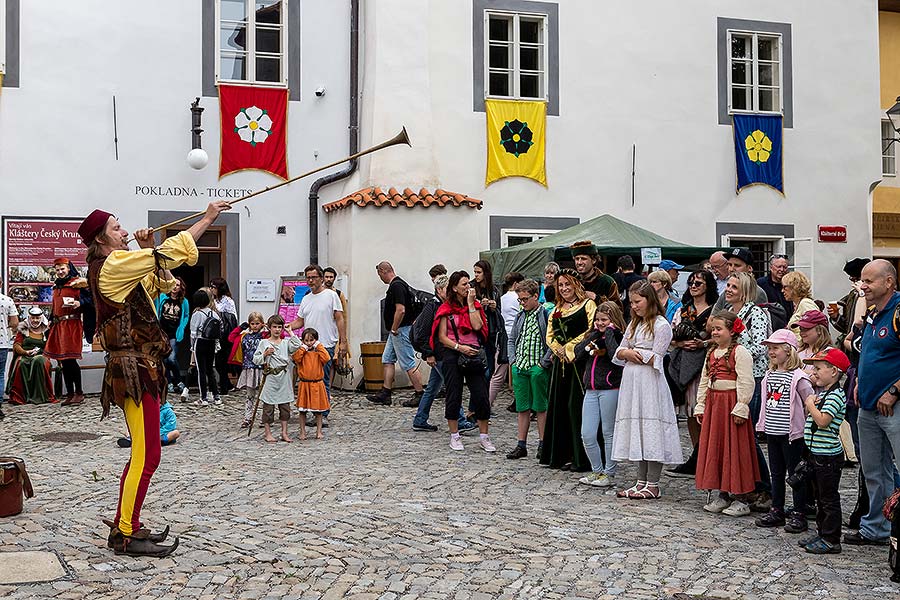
pixel 420 334
pixel 417 301
pixel 229 322
pixel 777 315
pixel 211 329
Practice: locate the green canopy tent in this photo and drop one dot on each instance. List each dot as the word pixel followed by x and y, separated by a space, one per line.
pixel 612 236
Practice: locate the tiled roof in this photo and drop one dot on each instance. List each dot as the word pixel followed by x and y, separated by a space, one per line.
pixel 375 196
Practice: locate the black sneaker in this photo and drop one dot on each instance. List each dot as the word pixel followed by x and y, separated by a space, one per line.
pixel 773 518
pixel 124 442
pixel 820 546
pixel 425 427
pixel 540 449
pixel 796 523
pixel 806 541
pixel 762 503
pixel 517 452
pixel 511 407
pixel 413 401
pixel 466 426
pixel 858 539
pixel 683 470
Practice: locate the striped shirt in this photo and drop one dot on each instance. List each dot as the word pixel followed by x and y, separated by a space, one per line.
pixel 827 440
pixel 528 346
pixel 778 402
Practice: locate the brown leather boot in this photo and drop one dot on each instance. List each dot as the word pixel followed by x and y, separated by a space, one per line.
pixel 68 401
pixel 78 398
pixel 153 537
pixel 138 544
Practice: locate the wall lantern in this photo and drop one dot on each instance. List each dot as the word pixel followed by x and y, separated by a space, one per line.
pixel 197 157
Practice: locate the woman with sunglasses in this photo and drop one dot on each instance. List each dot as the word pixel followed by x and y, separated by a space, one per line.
pixel 689 349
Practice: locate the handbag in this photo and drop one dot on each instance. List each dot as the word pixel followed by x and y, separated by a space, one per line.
pixel 14 484
pixel 470 364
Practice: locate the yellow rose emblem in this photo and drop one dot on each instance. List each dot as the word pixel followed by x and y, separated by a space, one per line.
pixel 759 147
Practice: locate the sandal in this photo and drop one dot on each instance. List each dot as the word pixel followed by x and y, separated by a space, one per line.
pixel 649 492
pixel 632 490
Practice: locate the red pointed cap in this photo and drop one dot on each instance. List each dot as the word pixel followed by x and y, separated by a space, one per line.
pixel 93 225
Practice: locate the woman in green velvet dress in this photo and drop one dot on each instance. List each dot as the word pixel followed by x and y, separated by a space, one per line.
pixel 29 375
pixel 572 318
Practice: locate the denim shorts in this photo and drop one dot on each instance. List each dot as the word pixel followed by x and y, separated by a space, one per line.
pixel 398 349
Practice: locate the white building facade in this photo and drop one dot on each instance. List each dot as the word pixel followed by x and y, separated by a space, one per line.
pixel 656 80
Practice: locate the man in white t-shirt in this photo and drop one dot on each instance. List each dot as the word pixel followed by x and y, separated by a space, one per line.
pixel 9 320
pixel 322 310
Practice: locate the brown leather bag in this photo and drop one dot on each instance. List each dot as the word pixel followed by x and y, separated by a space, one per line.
pixel 14 482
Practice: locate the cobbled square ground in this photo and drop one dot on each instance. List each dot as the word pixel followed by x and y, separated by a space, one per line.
pixel 377 511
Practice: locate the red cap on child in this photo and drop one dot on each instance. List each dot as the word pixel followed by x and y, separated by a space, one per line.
pixel 832 356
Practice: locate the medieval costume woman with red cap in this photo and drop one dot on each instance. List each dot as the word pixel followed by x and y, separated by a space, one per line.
pixel 123 284
pixel 29 375
pixel 66 331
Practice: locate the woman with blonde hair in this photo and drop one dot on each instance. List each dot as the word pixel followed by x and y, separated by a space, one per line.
pixel 797 290
pixel 567 325
pixel 662 283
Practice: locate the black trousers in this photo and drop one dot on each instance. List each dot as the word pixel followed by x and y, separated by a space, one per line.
pixel 71 376
pixel 827 470
pixel 205 351
pixel 222 368
pixel 783 459
pixel 453 382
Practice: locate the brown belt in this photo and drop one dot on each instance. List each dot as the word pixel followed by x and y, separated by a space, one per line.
pixel 154 362
pixel 64 317
pixel 310 380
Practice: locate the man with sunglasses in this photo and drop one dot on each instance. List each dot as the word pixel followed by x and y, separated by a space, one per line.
pixel 771 283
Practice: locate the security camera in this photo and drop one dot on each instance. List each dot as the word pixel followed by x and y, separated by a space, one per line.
pixel 320 91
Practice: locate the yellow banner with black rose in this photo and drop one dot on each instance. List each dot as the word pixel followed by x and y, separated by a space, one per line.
pixel 516 139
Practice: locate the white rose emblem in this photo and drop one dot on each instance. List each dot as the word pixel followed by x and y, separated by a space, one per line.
pixel 253 125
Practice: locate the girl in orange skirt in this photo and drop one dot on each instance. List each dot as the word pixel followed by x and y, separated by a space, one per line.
pixel 311 394
pixel 727 454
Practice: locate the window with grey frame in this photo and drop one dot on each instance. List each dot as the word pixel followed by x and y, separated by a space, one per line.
pixel 754 83
pixel 252 41
pixel 516 57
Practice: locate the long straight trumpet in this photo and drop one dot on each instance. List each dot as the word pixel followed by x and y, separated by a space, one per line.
pixel 400 138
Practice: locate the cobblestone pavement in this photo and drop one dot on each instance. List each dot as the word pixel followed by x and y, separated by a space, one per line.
pixel 377 511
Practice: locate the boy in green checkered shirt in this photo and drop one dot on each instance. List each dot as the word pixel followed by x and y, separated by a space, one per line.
pixel 826 453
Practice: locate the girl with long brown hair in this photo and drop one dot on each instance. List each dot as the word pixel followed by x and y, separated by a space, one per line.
pixel 646 428
pixel 726 460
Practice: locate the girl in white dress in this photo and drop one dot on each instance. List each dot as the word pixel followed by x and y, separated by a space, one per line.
pixel 646 429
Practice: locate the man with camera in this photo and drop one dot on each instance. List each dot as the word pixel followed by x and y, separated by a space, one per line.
pixel 877 390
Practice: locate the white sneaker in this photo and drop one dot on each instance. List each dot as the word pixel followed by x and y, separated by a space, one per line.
pixel 184 395
pixel 201 403
pixel 737 509
pixel 590 478
pixel 456 444
pixel 717 505
pixel 487 445
pixel 217 401
pixel 602 480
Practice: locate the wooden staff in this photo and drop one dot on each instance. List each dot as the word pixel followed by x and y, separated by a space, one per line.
pixel 400 138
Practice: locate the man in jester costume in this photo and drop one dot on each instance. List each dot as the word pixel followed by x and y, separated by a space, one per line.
pixel 124 283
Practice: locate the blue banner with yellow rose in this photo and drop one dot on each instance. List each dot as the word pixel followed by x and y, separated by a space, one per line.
pixel 758 151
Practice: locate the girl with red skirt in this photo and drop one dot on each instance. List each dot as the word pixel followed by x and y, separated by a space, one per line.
pixel 727 454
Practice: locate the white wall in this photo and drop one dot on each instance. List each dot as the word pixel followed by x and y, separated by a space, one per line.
pixel 57 156
pixel 642 73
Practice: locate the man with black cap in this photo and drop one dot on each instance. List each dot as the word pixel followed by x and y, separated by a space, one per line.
pixel 843 314
pixel 124 283
pixel 740 260
pixel 598 286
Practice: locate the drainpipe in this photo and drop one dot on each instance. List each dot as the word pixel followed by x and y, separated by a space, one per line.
pixel 354 137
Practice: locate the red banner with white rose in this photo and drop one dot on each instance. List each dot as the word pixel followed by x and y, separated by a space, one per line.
pixel 254 129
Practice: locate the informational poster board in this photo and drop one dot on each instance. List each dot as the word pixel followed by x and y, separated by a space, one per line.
pixel 293 288
pixel 30 245
pixel 651 256
pixel 261 290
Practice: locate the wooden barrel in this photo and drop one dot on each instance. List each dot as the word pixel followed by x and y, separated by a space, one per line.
pixel 370 357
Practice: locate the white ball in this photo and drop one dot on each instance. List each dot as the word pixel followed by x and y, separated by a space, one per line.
pixel 197 158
